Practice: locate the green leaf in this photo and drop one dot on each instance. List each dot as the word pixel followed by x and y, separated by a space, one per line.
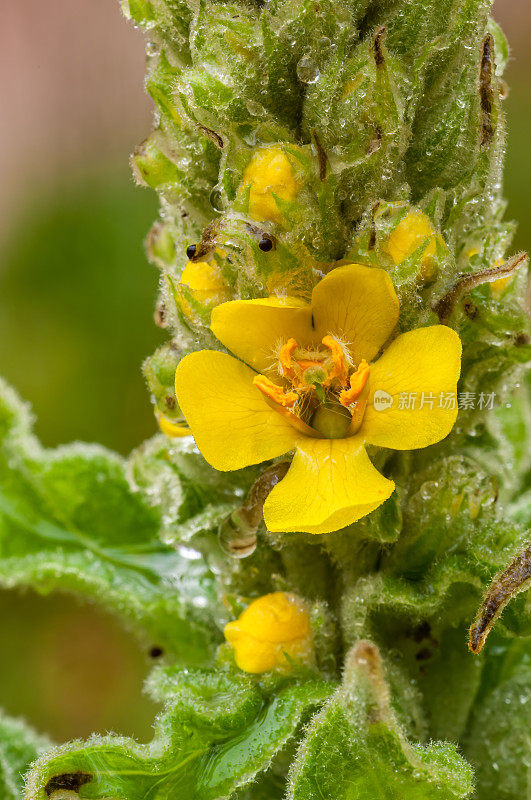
pixel 70 520
pixel 355 748
pixel 19 746
pixel 216 732
pixel 422 624
pixel 499 740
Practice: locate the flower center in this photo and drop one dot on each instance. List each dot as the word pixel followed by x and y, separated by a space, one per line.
pixel 321 391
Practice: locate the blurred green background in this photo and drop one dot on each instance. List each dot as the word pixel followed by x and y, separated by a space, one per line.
pixel 76 304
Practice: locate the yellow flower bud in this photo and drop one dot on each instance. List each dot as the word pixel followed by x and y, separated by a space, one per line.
pixel 172 429
pixel 408 236
pixel 206 284
pixel 272 627
pixel 268 172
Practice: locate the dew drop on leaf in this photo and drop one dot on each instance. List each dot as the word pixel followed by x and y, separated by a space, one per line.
pixel 307 70
pixel 217 200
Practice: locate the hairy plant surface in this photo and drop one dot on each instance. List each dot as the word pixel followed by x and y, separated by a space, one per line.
pixel 297 142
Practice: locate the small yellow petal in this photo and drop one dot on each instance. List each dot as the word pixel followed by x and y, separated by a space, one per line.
pixel 498 287
pixel 200 276
pixel 250 655
pixel 330 484
pixel 205 282
pixel 252 329
pixel 414 229
pixel 410 233
pixel 269 172
pixel 172 429
pixel 272 627
pixel 359 306
pixel 231 422
pixel 419 373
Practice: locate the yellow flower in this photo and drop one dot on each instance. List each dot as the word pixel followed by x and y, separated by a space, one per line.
pixel 205 283
pixel 172 429
pixel 272 627
pixel 410 233
pixel 305 382
pixel 269 172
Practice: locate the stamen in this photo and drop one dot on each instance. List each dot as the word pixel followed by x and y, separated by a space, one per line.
pixel 358 381
pixel 286 351
pixel 338 357
pixel 274 392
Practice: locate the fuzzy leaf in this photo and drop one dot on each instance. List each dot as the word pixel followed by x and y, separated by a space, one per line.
pixel 215 734
pixel 19 746
pixel 356 749
pixel 499 741
pixel 69 520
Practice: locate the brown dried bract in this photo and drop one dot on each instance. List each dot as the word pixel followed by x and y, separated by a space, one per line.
pixel 516 578
pixel 321 155
pixel 213 136
pixel 239 529
pixel 485 90
pixel 378 40
pixel 445 307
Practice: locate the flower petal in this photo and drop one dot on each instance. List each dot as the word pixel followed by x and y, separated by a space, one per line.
pixel 330 484
pixel 358 305
pixel 231 423
pixel 251 329
pixel 426 361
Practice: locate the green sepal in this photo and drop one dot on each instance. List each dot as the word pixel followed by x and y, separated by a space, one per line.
pixel 154 168
pixel 159 372
pixel 160 84
pixel 160 245
pixel 355 110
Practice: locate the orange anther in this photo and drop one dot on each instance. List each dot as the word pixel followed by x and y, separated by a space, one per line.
pixel 286 351
pixel 358 381
pixel 338 357
pixel 274 392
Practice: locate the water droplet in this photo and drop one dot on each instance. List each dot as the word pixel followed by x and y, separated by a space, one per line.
pixel 152 48
pixel 256 109
pixel 235 540
pixel 307 70
pixel 217 199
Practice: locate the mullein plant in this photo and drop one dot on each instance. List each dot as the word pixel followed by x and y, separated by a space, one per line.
pixel 333 515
